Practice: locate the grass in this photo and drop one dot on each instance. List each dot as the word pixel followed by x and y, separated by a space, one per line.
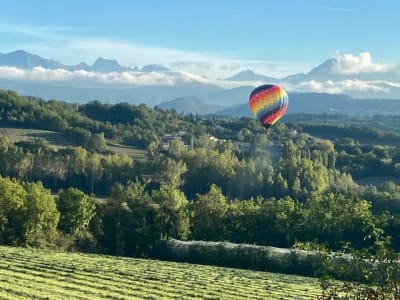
pixel 135 152
pixel 57 140
pixel 22 134
pixel 39 274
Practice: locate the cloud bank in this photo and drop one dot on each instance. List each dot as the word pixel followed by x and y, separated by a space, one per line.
pixel 90 79
pixel 348 86
pixel 81 78
pixel 357 64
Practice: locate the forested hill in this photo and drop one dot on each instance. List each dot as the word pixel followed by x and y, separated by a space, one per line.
pixel 86 125
pixel 201 178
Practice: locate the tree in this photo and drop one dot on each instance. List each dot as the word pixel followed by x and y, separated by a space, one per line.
pixel 207 166
pixel 242 221
pixel 176 148
pixel 289 150
pixel 76 211
pixel 209 213
pixel 336 219
pixel 129 221
pixel 97 142
pixel 94 169
pixel 172 217
pixel 277 222
pixel 117 168
pixel 373 273
pixel 171 172
pixel 252 177
pixel 280 186
pixel 41 214
pixel 12 211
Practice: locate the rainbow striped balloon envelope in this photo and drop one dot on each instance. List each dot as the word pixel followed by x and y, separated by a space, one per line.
pixel 268 103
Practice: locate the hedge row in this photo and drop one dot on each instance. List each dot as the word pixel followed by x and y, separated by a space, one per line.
pixel 263 258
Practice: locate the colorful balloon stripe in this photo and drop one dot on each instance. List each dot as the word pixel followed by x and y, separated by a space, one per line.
pixel 268 103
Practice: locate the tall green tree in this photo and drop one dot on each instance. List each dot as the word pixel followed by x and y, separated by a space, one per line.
pixel 41 214
pixel 76 211
pixel 209 213
pixel 172 217
pixel 12 211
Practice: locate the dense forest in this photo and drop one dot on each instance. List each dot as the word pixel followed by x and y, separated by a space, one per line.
pixel 203 178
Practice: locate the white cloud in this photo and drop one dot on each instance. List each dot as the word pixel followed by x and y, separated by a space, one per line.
pixel 356 64
pixel 337 87
pixel 85 78
pixel 129 79
pixel 394 84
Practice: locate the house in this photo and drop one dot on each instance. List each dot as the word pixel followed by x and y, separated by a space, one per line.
pixel 166 139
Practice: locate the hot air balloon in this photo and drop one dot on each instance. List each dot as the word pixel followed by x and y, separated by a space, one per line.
pixel 268 103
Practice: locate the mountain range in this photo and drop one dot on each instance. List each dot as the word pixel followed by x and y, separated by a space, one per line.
pixel 333 86
pixel 24 60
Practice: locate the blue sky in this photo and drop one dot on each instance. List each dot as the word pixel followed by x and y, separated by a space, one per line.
pixel 211 37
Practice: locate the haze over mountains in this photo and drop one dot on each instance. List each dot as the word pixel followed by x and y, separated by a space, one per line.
pixel 329 87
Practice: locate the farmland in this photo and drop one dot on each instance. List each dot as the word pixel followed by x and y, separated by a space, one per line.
pixel 22 134
pixel 38 274
pixel 135 152
pixel 57 140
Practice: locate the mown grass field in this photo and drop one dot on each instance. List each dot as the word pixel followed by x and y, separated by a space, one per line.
pixel 57 140
pixel 135 152
pixel 22 134
pixel 38 274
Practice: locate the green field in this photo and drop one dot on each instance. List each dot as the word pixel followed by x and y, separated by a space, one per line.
pixel 57 140
pixel 22 134
pixel 38 274
pixel 135 152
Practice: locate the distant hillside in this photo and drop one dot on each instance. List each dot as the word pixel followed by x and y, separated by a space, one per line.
pixel 190 105
pixel 150 95
pixel 316 103
pixel 228 97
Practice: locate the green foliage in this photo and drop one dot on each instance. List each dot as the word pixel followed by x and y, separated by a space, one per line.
pixel 372 273
pixel 339 220
pixel 28 214
pixel 42 214
pixel 207 166
pixel 76 211
pixel 172 218
pixel 271 189
pixel 226 254
pixel 360 133
pixel 12 211
pixel 209 212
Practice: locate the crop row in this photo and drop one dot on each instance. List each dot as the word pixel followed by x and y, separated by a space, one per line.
pixel 34 274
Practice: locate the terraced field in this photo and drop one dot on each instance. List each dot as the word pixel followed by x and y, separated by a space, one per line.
pixel 37 274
